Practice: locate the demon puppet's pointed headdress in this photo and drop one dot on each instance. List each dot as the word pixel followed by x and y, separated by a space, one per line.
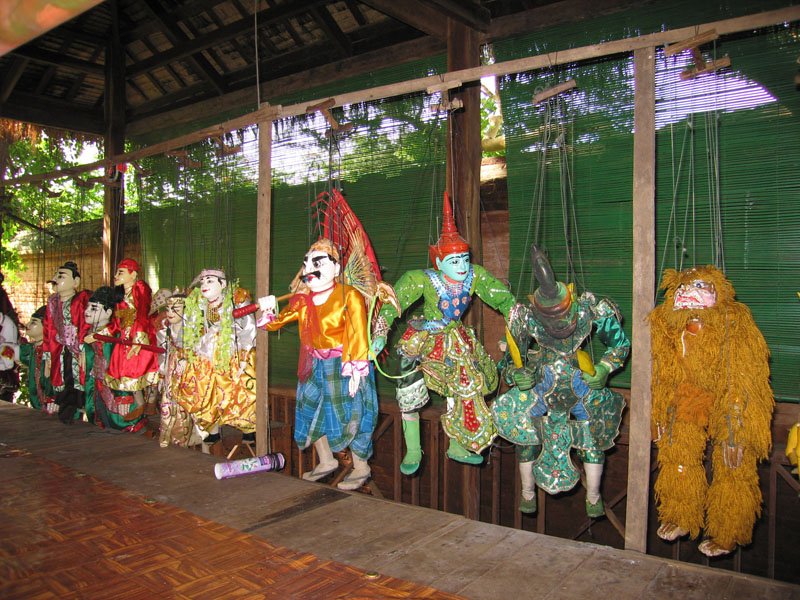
pixel 450 242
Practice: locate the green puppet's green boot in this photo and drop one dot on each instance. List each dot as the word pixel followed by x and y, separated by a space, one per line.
pixel 457 452
pixel 413 455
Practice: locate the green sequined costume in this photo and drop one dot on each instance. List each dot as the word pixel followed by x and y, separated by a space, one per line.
pixel 453 362
pixel 560 411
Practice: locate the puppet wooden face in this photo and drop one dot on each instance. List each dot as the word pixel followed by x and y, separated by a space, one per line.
pixel 454 266
pixel 34 330
pixel 211 287
pixel 695 295
pixel 175 308
pixel 65 283
pixel 125 278
pixel 97 315
pixel 319 270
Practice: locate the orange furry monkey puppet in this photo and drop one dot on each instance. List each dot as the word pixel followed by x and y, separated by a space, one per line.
pixel 710 382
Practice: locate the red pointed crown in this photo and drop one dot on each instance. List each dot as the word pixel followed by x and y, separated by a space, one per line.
pixel 450 242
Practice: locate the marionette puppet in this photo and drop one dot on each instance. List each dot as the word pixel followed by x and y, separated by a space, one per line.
pixel 177 426
pixel 337 404
pixel 64 327
pixel 132 366
pixel 710 383
pixel 105 407
pixel 218 386
pixel 40 392
pixel 451 360
pixel 560 400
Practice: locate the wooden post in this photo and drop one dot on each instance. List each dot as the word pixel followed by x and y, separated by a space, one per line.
pixel 644 286
pixel 263 220
pixel 464 183
pixel 114 198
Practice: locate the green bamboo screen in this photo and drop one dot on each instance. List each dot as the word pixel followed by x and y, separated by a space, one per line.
pixel 390 167
pixel 731 136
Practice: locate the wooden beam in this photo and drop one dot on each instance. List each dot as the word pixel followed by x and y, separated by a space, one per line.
pixel 114 196
pixel 266 112
pixel 466 12
pixel 727 26
pixel 644 293
pixel 58 59
pixel 332 31
pixel 51 113
pixel 176 35
pixel 207 40
pixel 263 246
pixel 464 185
pixel 414 13
pixel 12 76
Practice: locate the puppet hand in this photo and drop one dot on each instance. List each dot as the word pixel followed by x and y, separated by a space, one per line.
pixel 89 339
pixel 354 383
pixel 378 344
pixel 732 456
pixel 268 304
pixel 598 380
pixel 523 378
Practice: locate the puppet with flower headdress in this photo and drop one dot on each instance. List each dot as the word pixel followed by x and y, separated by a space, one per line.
pixel 337 404
pixel 177 425
pixel 451 361
pixel 710 383
pixel 218 386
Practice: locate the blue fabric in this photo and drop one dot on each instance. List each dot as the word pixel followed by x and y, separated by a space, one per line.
pixel 324 408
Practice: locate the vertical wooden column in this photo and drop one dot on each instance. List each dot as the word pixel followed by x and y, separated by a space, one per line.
pixel 644 286
pixel 464 184
pixel 263 220
pixel 114 199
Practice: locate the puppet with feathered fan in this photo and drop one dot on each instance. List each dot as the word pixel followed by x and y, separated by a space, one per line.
pixel 337 405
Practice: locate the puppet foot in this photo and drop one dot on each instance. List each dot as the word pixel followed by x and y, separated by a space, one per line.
pixel 711 548
pixel 528 506
pixel 458 453
pixel 354 481
pixel 411 462
pixel 595 510
pixel 320 471
pixel 671 532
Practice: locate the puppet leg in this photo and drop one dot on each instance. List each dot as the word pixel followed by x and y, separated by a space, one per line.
pixel 358 476
pixel 594 503
pixel 413 454
pixel 681 486
pixel 733 504
pixel 327 463
pixel 527 503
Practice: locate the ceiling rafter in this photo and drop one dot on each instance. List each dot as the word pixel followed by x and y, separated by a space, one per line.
pixel 421 17
pixel 468 12
pixel 335 34
pixel 59 59
pixel 267 16
pixel 12 76
pixel 175 33
pixel 52 113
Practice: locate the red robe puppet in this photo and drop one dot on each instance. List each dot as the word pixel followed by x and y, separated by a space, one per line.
pixel 132 367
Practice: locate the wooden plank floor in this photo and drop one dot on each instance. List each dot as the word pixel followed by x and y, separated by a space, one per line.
pixel 91 514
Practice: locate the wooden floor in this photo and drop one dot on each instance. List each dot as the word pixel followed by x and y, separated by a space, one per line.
pixel 91 514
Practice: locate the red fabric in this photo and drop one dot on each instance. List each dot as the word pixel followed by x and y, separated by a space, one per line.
pixel 139 366
pixel 51 344
pixel 129 264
